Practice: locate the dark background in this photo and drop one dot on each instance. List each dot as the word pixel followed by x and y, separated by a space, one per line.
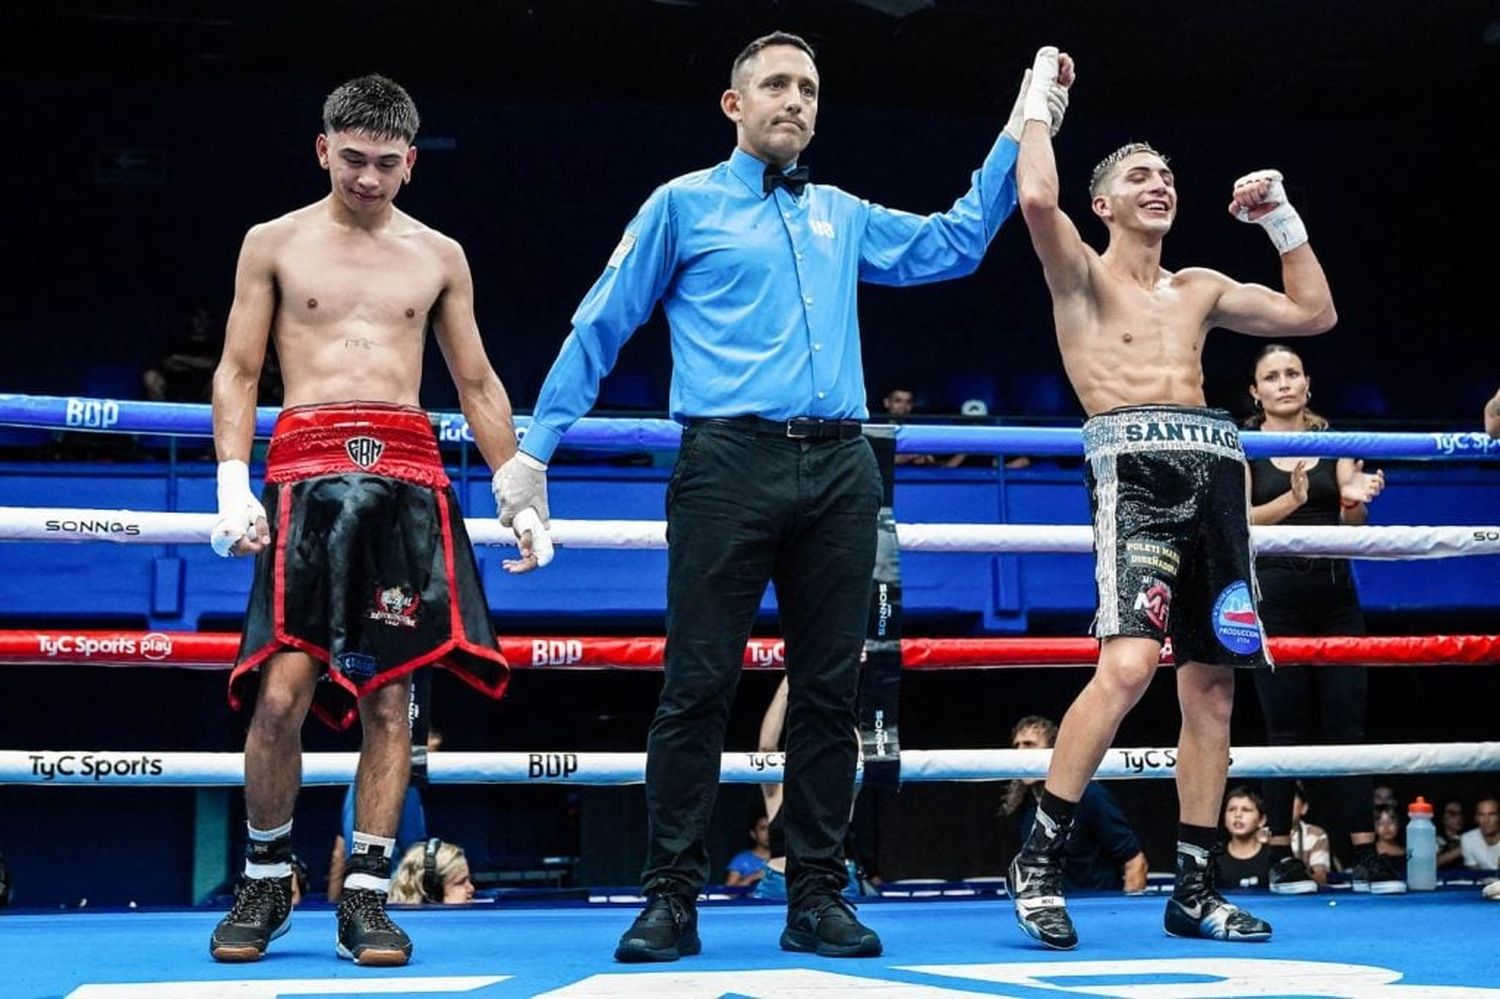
pixel 546 124
pixel 143 139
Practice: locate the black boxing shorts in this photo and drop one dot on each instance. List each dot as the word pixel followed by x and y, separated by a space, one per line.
pixel 1172 533
pixel 369 570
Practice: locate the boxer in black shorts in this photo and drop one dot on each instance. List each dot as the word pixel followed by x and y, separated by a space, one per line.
pixel 1170 496
pixel 363 570
pixel 1171 535
pixel 370 570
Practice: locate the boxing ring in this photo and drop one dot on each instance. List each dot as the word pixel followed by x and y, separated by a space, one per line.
pixel 941 943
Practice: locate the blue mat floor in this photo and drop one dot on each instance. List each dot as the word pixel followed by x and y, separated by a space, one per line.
pixel 1430 945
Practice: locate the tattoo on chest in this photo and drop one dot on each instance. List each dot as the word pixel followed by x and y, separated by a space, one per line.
pixel 361 342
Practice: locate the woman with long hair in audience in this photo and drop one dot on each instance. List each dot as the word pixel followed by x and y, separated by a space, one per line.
pixel 1311 596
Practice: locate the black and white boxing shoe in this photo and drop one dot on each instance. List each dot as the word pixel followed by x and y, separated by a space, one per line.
pixel 1196 909
pixel 1035 885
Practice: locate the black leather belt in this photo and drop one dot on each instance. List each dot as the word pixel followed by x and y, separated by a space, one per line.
pixel 800 428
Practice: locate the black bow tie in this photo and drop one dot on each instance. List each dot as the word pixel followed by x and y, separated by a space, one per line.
pixel 793 180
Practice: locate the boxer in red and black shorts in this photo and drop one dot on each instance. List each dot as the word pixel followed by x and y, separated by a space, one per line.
pixel 369 569
pixel 1172 533
pixel 363 571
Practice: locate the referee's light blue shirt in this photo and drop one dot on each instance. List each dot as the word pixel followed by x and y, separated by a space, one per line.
pixel 760 291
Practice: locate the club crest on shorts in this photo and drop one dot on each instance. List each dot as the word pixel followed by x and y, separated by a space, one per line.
pixel 1236 625
pixel 364 451
pixel 395 606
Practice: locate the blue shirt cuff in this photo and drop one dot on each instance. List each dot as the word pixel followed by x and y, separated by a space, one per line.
pixel 540 441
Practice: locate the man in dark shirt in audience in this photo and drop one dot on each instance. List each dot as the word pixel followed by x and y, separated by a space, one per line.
pixel 1103 852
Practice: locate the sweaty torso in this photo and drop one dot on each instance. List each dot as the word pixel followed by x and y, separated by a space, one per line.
pixel 1128 345
pixel 352 307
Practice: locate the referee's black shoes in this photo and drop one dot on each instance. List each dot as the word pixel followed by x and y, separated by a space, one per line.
pixel 664 931
pixel 825 925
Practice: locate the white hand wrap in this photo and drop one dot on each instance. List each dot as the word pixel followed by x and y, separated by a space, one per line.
pixel 1282 223
pixel 541 542
pixel 1039 101
pixel 520 483
pixel 1035 102
pixel 238 508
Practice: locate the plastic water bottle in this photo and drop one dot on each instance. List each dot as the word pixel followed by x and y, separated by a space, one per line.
pixel 1421 847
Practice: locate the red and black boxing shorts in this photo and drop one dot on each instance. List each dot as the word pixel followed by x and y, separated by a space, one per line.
pixel 1172 533
pixel 369 570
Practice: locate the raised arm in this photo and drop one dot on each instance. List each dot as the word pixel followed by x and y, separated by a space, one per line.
pixel 1305 308
pixel 241 528
pixel 1063 253
pixel 899 248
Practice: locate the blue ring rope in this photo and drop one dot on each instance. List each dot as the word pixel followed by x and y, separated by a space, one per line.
pixel 194 420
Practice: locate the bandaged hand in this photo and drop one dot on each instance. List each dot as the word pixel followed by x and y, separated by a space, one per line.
pixel 520 487
pixel 241 528
pixel 533 540
pixel 1044 92
pixel 1260 198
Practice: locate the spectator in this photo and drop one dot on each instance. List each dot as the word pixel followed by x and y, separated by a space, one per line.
pixel 1481 845
pixel 1246 862
pixel 749 866
pixel 432 872
pixel 772 884
pixel 1309 842
pixel 1382 797
pixel 1389 841
pixel 899 403
pixel 978 411
pixel 1102 852
pixel 1492 418
pixel 1450 850
pixel 1311 596
pixel 184 372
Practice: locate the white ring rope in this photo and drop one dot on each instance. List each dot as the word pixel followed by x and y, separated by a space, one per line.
pixel 111 768
pixel 153 528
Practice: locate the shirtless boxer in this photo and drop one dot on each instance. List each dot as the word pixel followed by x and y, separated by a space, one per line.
pixel 363 570
pixel 1168 489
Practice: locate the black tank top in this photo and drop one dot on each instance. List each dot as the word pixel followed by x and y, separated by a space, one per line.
pixel 1267 482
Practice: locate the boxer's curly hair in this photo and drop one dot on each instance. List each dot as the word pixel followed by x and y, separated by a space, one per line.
pixel 1107 165
pixel 375 105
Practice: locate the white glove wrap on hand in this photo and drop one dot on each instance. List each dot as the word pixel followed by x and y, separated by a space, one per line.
pixel 1036 100
pixel 238 508
pixel 520 483
pixel 541 541
pixel 1282 223
pixel 1046 100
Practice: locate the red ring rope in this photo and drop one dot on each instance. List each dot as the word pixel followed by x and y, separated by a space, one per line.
pixel 188 649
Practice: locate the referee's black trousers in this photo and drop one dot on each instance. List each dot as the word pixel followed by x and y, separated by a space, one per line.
pixel 745 507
